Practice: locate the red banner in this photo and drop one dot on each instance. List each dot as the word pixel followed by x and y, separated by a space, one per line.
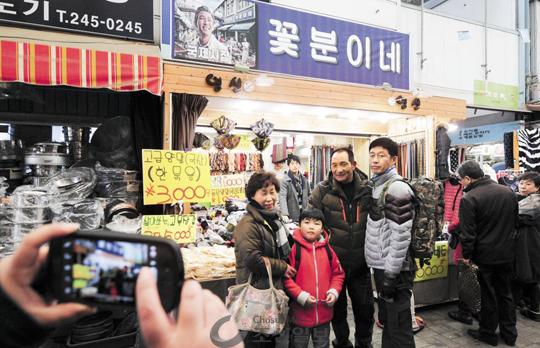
pixel 78 67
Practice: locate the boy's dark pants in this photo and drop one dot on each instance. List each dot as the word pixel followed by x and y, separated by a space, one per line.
pixel 320 335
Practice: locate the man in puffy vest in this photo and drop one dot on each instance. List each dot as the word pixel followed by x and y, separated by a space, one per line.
pixel 344 200
pixel 387 247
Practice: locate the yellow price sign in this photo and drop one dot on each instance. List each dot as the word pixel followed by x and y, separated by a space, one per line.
pixel 227 186
pixel 172 176
pixel 438 267
pixel 179 228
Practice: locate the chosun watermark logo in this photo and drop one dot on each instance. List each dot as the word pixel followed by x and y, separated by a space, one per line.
pixel 219 341
pixel 239 338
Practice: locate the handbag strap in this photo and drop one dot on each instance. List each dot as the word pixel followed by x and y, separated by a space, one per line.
pixel 269 271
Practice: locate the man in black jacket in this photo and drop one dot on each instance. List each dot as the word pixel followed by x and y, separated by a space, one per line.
pixel 344 199
pixel 488 217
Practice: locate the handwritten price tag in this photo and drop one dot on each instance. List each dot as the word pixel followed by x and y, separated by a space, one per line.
pixel 438 267
pixel 227 186
pixel 172 176
pixel 179 228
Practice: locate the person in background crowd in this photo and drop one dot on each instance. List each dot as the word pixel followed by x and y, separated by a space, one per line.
pixel 344 199
pixel 261 233
pixel 527 288
pixel 488 217
pixel 27 318
pixel 279 169
pixel 388 239
pixel 317 284
pixel 294 191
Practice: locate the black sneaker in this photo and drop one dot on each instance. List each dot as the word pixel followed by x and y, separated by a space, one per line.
pixel 477 335
pixel 346 345
pixel 509 342
pixel 530 314
pixel 460 316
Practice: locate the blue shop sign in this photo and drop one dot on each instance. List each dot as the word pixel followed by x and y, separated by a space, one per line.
pixel 482 134
pixel 277 39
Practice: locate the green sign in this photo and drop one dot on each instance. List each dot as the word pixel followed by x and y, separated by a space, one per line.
pixel 495 95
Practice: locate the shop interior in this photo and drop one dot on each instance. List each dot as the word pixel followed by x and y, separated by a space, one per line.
pixel 49 138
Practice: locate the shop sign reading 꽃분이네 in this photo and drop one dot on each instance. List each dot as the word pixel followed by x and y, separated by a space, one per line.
pixel 173 176
pixel 282 40
pixel 133 19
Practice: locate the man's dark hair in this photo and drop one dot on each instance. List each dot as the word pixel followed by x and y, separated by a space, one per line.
pixel 199 10
pixel 532 176
pixel 471 169
pixel 386 143
pixel 312 213
pixel 347 149
pixel 293 158
pixel 260 180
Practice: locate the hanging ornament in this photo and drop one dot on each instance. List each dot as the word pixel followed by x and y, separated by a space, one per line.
pixel 229 141
pixel 262 128
pixel 261 143
pixel 223 125
pixel 201 141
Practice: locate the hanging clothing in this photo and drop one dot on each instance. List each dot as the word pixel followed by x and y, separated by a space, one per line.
pixel 411 159
pixel 442 149
pixel 452 201
pixel 509 150
pixel 529 149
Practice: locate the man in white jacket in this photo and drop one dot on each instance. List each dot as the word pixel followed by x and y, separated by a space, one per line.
pixel 387 247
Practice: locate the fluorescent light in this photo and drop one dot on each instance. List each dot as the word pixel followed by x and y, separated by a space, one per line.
pixel 452 127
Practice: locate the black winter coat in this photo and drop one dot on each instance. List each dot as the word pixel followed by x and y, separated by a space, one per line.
pixel 345 220
pixel 255 239
pixel 527 264
pixel 488 218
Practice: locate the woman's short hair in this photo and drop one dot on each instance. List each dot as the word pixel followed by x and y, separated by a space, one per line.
pixel 260 180
pixel 532 176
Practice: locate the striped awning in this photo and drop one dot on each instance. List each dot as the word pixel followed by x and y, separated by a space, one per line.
pixel 43 64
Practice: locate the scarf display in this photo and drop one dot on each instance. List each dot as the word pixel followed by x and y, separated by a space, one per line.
pixel 222 163
pixel 320 164
pixel 412 159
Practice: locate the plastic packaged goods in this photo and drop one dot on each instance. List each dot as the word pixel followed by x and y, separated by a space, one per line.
pixel 72 184
pixel 117 188
pixel 6 237
pixel 114 174
pixel 121 223
pixel 88 213
pixel 30 196
pixel 28 215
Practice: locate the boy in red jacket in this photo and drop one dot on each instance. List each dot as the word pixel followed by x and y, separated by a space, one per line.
pixel 317 284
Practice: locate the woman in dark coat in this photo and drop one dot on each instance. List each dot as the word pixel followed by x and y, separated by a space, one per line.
pixel 262 234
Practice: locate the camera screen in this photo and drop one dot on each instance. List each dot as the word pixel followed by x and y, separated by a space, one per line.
pixel 103 270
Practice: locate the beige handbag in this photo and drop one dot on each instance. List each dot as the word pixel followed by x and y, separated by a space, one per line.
pixel 264 311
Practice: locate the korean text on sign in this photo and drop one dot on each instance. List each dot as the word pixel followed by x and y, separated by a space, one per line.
pixel 172 176
pixel 438 267
pixel 179 228
pixel 227 186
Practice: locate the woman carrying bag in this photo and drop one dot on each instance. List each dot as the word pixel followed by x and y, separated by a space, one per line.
pixel 260 235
